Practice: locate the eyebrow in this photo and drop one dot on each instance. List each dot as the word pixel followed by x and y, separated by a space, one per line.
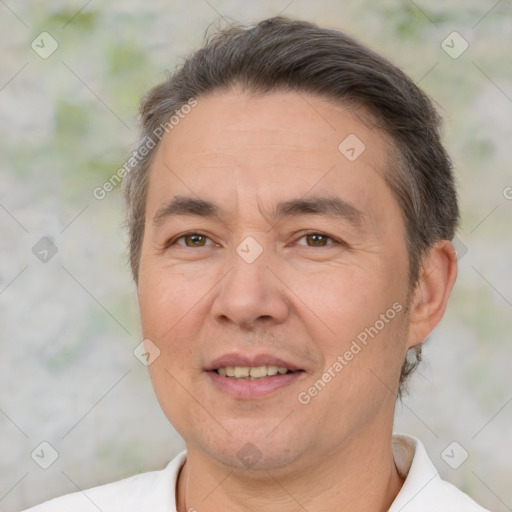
pixel 332 206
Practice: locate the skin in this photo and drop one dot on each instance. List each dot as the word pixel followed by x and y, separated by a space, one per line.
pixel 304 299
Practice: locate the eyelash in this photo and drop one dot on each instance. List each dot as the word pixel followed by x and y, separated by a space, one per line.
pixel 334 241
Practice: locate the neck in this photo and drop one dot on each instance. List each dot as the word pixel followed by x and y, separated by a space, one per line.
pixel 360 476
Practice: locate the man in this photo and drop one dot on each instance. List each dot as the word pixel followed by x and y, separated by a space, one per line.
pixel 290 209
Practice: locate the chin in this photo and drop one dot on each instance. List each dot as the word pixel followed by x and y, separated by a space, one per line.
pixel 253 444
pixel 254 457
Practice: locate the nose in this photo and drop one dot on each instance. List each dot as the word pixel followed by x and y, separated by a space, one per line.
pixel 251 294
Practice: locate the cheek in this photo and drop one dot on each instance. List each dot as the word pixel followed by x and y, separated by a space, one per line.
pixel 172 309
pixel 169 387
pixel 355 312
pixel 167 300
pixel 168 317
pixel 343 299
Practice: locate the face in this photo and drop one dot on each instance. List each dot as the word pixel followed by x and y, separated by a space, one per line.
pixel 268 243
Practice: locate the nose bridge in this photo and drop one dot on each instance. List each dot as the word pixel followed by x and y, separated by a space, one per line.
pixel 250 293
pixel 249 265
pixel 248 280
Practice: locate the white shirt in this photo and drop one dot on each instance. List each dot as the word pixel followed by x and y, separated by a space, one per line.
pixel 155 491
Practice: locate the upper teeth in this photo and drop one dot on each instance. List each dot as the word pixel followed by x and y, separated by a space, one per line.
pixel 255 372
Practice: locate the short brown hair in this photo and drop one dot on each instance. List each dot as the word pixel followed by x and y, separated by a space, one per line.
pixel 292 55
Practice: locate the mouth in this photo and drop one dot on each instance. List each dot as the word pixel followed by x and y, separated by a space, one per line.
pixel 253 372
pixel 249 378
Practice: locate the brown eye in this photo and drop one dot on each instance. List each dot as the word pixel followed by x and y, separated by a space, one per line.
pixel 194 240
pixel 316 240
pixel 190 240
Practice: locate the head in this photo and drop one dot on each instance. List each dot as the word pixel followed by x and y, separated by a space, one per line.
pixel 285 130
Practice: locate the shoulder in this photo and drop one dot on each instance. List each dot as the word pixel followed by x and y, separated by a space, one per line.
pixel 147 492
pixel 424 490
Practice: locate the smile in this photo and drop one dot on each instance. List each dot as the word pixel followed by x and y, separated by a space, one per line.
pixel 251 372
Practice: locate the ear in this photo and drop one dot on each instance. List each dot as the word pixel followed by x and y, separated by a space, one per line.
pixel 428 302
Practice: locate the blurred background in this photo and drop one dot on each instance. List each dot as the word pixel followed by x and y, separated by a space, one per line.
pixel 71 76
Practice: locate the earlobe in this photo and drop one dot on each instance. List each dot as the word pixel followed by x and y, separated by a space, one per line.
pixel 428 302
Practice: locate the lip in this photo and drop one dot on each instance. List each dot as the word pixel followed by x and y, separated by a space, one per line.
pixel 234 359
pixel 253 389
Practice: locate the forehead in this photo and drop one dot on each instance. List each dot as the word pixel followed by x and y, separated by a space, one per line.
pixel 261 148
